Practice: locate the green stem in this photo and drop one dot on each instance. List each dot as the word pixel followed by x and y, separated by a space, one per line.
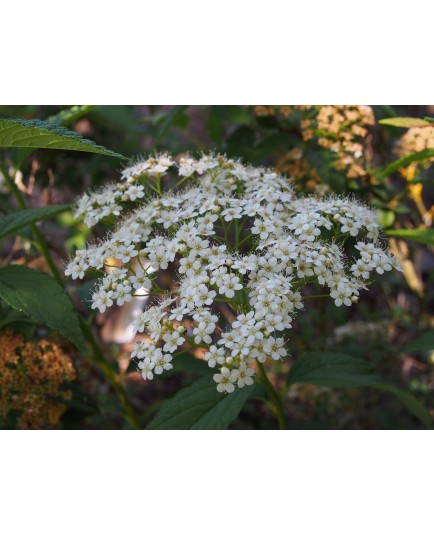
pixel 178 184
pixel 98 356
pixel 113 378
pixel 274 396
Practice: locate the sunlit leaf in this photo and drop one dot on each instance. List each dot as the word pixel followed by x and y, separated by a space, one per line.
pixel 404 122
pixel 44 135
pixel 423 236
pixel 406 160
pixel 63 118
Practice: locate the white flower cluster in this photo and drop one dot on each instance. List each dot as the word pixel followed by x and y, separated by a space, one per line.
pixel 237 248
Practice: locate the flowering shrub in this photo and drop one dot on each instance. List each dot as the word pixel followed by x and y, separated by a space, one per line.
pixel 227 259
pixel 340 130
pixel 32 375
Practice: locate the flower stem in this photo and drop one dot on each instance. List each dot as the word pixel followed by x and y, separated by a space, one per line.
pixel 274 397
pixel 97 353
pixel 112 377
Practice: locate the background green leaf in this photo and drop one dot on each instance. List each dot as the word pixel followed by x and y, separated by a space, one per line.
pixel 200 407
pixel 409 401
pixel 11 223
pixel 406 160
pixel 424 236
pixel 175 117
pixel 332 370
pixel 45 135
pixel 70 115
pixel 186 362
pixel 39 297
pixel 345 371
pixel 405 122
pixel 424 342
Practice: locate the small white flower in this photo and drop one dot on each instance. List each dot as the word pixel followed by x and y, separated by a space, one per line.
pixel 161 361
pixel 147 366
pixel 102 300
pixel 172 340
pixel 245 375
pixel 225 380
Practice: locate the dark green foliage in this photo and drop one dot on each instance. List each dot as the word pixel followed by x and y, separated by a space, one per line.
pixel 200 407
pixel 38 296
pixel 11 223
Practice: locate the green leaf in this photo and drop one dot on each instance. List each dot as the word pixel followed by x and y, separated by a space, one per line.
pixel 200 407
pixel 44 135
pixel 429 119
pixel 423 236
pixel 409 401
pixel 41 298
pixel 424 342
pixel 406 160
pixel 63 118
pixel 234 114
pixel 215 128
pixel 385 218
pixel 186 362
pixel 242 138
pixel 10 316
pixel 345 371
pixel 404 122
pixel 332 370
pixel 11 223
pixel 170 119
pixel 70 115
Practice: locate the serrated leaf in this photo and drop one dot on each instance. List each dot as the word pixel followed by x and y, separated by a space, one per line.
pixel 42 299
pixel 423 236
pixel 44 135
pixel 64 118
pixel 406 160
pixel 424 342
pixel 200 407
pixel 332 370
pixel 404 122
pixel 345 371
pixel 11 223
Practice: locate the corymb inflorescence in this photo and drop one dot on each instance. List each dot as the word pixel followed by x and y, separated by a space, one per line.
pixel 225 252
